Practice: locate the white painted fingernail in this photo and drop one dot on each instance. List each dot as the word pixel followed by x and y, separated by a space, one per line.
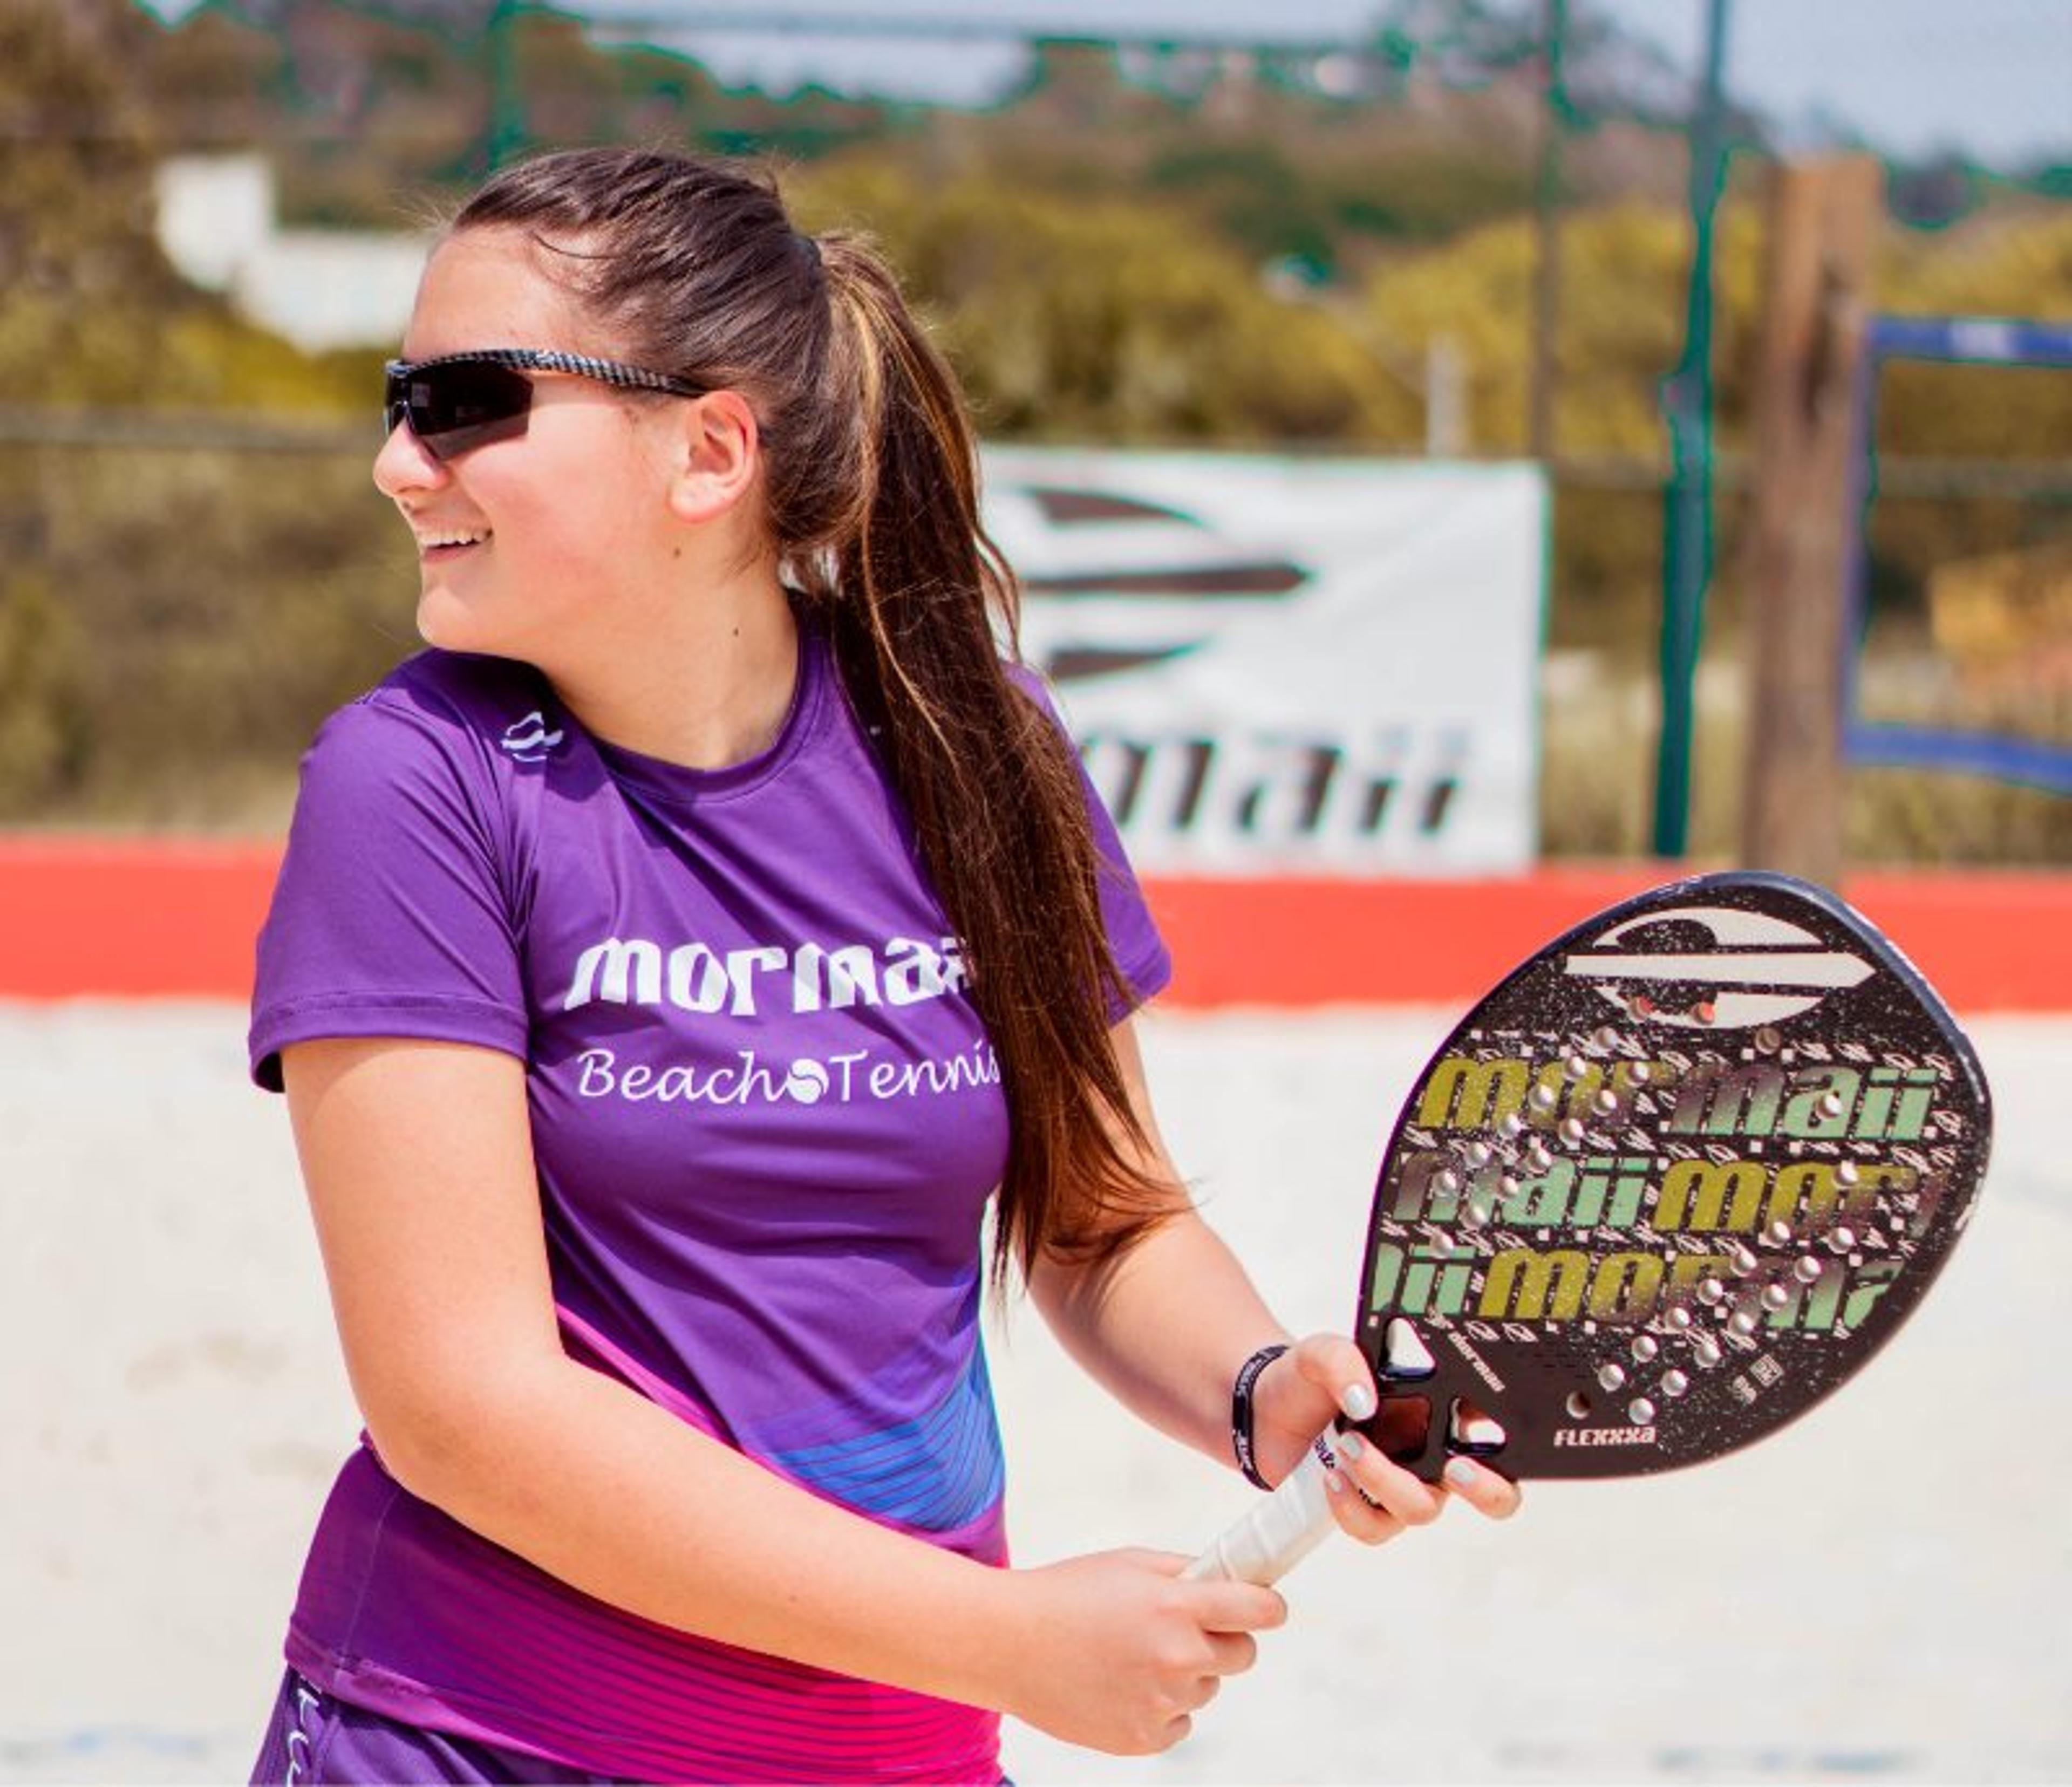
pixel 1460 1472
pixel 1358 1402
pixel 1351 1446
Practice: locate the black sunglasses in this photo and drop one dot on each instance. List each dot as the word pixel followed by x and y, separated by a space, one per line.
pixel 457 401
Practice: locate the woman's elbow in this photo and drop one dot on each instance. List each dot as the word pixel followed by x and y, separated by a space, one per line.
pixel 442 1440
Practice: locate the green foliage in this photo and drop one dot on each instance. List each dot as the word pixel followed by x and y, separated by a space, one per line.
pixel 2016 265
pixel 93 316
pixel 1250 194
pixel 43 650
pixel 1417 193
pixel 1104 257
pixel 1598 763
pixel 75 204
pixel 78 265
pixel 182 622
pixel 2019 264
pixel 1112 320
pixel 1620 326
pixel 162 615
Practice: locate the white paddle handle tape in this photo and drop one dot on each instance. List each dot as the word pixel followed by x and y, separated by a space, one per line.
pixel 1281 1530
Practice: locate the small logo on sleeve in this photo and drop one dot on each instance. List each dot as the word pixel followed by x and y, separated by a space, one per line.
pixel 528 740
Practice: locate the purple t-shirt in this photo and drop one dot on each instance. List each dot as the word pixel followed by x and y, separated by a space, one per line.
pixel 767 1123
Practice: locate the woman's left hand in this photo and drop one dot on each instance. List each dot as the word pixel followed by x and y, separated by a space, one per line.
pixel 1309 1388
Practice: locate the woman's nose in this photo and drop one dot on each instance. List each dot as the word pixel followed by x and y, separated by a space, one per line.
pixel 405 464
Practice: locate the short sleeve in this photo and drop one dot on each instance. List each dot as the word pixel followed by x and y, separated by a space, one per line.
pixel 1132 934
pixel 393 914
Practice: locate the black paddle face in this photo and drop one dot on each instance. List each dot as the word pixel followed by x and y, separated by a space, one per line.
pixel 1668 1185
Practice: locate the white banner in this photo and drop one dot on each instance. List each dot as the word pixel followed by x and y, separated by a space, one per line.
pixel 1276 665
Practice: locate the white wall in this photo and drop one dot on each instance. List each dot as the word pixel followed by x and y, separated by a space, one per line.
pixel 320 288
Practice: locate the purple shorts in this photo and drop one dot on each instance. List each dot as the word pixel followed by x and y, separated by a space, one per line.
pixel 314 1736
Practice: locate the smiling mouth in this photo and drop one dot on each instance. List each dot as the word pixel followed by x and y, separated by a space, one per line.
pixel 444 544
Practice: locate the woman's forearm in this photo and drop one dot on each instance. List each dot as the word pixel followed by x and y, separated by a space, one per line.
pixel 1163 1322
pixel 1162 1326
pixel 618 1497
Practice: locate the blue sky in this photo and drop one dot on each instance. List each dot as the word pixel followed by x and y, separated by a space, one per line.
pixel 1991 78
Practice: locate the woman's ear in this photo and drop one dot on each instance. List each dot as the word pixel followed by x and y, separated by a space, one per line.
pixel 718 456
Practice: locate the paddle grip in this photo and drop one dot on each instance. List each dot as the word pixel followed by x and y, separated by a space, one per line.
pixel 1280 1529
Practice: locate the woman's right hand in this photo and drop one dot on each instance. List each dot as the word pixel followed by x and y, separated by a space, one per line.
pixel 1117 1651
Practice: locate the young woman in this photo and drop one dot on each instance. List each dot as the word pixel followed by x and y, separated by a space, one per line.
pixel 668 970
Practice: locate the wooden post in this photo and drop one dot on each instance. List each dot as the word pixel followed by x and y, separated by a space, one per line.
pixel 1824 218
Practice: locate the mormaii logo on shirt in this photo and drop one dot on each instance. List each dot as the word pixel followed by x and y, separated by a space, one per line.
pixel 807 977
pixel 528 741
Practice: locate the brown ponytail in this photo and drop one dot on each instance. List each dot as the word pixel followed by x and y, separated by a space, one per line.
pixel 873 504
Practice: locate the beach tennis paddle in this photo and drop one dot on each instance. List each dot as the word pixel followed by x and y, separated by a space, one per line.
pixel 1670 1184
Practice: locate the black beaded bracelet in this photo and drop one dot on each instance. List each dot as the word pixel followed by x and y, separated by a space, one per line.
pixel 1248 1375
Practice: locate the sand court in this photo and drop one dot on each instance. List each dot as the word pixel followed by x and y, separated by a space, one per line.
pixel 1878 1593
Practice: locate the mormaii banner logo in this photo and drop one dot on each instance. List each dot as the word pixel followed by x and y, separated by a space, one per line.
pixel 1276 665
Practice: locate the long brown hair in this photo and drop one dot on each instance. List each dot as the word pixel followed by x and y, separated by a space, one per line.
pixel 873 486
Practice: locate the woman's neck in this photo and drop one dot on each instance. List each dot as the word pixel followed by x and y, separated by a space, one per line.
pixel 704 681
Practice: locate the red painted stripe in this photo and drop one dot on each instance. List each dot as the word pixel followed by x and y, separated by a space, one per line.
pixel 144 918
pixel 1986 942
pixel 151 918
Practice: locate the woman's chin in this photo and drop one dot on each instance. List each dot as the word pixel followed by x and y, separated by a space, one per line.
pixel 447 623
